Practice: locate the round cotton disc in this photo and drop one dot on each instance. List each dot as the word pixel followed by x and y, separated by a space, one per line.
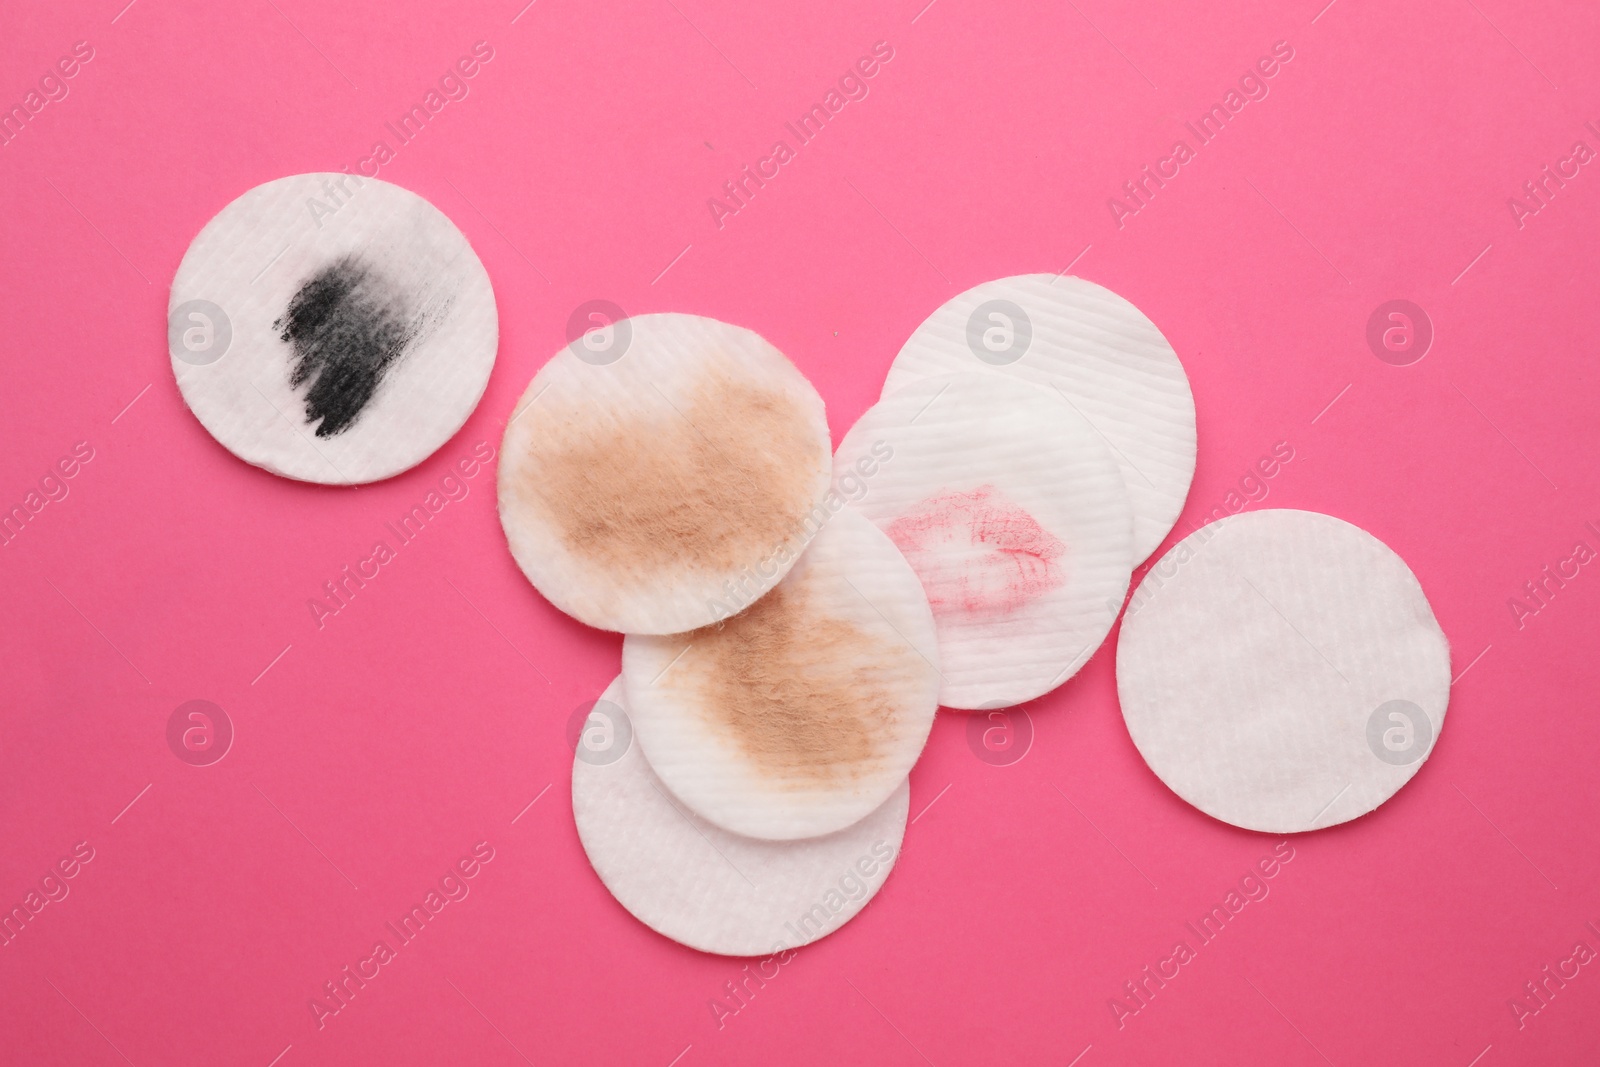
pixel 803 713
pixel 331 328
pixel 645 473
pixel 1013 514
pixel 709 889
pixel 1282 671
pixel 1094 351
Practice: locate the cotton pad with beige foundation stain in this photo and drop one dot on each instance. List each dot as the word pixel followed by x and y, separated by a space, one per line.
pixel 640 480
pixel 702 886
pixel 331 328
pixel 1282 671
pixel 804 712
pixel 1012 512
pixel 1093 351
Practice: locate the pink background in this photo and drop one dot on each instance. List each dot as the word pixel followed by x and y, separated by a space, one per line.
pixel 426 715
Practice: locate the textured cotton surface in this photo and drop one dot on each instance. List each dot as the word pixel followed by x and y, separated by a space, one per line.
pixel 1282 671
pixel 1095 352
pixel 642 493
pixel 1013 513
pixel 717 891
pixel 331 328
pixel 805 711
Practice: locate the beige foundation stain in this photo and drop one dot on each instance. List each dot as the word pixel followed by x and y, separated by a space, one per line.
pixel 714 486
pixel 809 697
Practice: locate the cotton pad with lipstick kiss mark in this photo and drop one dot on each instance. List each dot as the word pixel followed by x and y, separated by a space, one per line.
pixel 705 887
pixel 1094 352
pixel 331 328
pixel 640 485
pixel 1282 671
pixel 1012 512
pixel 803 713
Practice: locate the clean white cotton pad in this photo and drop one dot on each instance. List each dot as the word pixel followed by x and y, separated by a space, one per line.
pixel 705 887
pixel 1012 512
pixel 331 328
pixel 1095 352
pixel 642 476
pixel 1282 671
pixel 803 713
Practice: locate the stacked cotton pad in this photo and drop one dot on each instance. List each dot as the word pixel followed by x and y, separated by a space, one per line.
pixel 1043 441
pixel 743 783
pixel 1095 353
pixel 1014 515
pixel 742 786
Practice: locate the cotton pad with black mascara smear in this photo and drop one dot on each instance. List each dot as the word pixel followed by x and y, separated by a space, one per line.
pixel 1096 353
pixel 331 328
pixel 702 886
pixel 1012 511
pixel 803 713
pixel 648 483
pixel 1282 671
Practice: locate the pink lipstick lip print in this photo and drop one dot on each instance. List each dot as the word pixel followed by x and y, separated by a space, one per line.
pixel 979 555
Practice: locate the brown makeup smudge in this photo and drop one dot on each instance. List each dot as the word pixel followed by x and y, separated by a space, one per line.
pixel 718 486
pixel 809 697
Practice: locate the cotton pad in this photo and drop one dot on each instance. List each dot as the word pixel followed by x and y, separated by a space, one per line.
pixel 331 328
pixel 1013 513
pixel 712 890
pixel 1282 671
pixel 643 476
pixel 1095 352
pixel 803 713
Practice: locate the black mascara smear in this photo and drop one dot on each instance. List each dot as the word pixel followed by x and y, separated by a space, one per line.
pixel 348 325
